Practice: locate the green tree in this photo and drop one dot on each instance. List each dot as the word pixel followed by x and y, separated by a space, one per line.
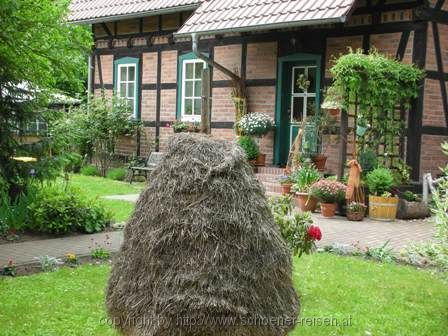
pixel 39 51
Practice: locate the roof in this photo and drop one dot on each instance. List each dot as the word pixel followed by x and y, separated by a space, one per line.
pixel 92 11
pixel 218 16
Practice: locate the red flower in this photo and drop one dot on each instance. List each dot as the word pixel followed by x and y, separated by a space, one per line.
pixel 167 125
pixel 314 232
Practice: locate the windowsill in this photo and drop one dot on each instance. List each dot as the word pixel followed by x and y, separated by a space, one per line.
pixel 195 119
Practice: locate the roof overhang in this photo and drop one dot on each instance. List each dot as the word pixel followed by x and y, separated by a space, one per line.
pixel 264 27
pixel 222 17
pixel 138 15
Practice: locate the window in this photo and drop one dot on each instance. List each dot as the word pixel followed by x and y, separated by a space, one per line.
pixel 303 89
pixel 191 87
pixel 126 83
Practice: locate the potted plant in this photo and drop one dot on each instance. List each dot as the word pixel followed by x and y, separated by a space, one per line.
pixel 303 178
pixel 324 124
pixel 333 101
pixel 250 148
pixel 382 205
pixel 329 193
pixel 179 126
pixel 410 206
pixel 356 211
pixel 286 184
pixel 256 125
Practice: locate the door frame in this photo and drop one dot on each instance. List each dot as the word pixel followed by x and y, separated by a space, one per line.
pixel 279 141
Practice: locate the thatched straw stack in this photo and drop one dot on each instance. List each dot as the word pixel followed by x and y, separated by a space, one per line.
pixel 202 254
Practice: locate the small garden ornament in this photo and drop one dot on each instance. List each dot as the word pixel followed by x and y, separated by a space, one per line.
pixel 355 193
pixel 202 246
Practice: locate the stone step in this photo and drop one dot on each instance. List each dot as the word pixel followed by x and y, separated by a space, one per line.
pixel 270 170
pixel 268 178
pixel 272 187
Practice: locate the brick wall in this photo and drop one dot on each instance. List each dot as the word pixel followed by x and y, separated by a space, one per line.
pixel 337 46
pixel 387 44
pixel 222 105
pixel 230 57
pixel 107 68
pixel 261 60
pixel 149 68
pixel 432 157
pixel 169 66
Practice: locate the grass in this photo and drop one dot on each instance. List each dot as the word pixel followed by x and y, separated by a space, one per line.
pixel 381 299
pixel 98 187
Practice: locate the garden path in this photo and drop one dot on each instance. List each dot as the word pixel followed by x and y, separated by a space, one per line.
pixel 336 230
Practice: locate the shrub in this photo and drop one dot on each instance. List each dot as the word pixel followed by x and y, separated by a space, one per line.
pixel 117 174
pixel 380 181
pixel 368 161
pixel 328 191
pixel 48 264
pixel 14 214
pixel 296 228
pixel 304 177
pixel 249 146
pixel 72 162
pixel 61 210
pixel 90 170
pixel 410 196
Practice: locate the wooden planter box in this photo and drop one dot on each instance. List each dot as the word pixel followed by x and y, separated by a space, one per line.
pixel 383 208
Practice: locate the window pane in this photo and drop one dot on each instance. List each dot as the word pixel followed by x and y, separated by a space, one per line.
pixel 311 107
pixel 312 79
pixel 188 89
pixel 131 73
pixel 198 88
pixel 131 104
pixel 297 109
pixel 197 106
pixel 131 88
pixel 198 70
pixel 189 70
pixel 122 90
pixel 188 110
pixel 123 73
pixel 299 77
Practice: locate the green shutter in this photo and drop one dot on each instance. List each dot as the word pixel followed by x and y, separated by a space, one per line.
pixel 130 61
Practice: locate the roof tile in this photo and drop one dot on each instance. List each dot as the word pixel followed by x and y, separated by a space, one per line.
pixel 88 10
pixel 215 16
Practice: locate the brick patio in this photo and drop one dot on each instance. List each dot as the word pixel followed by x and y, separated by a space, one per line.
pixel 336 230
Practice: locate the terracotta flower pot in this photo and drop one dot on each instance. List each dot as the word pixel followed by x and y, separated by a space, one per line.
pixel 328 209
pixel 286 188
pixel 261 160
pixel 319 161
pixel 334 111
pixel 306 202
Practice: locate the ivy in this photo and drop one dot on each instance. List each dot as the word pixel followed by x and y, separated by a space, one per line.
pixel 375 88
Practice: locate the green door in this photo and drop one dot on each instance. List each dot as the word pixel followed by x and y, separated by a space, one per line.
pixel 298 99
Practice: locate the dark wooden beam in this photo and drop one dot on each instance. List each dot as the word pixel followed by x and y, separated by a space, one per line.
pixel 439 4
pixel 414 137
pixel 139 97
pixel 439 59
pixel 158 100
pixel 431 14
pixel 435 130
pixel 404 39
pixel 100 71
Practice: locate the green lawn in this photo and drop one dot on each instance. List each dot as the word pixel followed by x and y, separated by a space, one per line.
pixel 380 299
pixel 96 187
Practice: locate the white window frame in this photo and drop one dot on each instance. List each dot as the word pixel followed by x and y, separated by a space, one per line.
pixel 193 117
pixel 127 82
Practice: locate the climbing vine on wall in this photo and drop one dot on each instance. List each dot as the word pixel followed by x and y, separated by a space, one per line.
pixel 377 90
